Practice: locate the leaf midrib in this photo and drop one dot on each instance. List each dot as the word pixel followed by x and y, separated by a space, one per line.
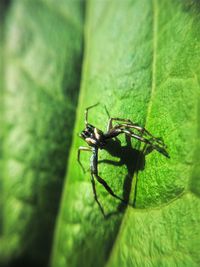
pixel 152 93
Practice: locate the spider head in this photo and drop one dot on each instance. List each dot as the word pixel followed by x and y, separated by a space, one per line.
pixel 87 132
pixel 92 135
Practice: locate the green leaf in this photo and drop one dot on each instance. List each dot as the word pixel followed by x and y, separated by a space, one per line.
pixel 142 62
pixel 42 60
pixel 2 9
pixel 166 236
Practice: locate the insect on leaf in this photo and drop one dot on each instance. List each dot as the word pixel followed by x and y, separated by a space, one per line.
pixel 141 60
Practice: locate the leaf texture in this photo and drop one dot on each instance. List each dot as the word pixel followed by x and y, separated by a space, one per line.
pixel 142 62
pixel 42 51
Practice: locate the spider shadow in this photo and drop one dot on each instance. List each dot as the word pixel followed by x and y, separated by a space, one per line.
pixel 133 159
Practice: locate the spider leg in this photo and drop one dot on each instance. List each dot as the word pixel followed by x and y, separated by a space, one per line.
pixel 107 111
pixel 143 132
pixel 95 194
pixel 86 112
pixel 82 148
pixel 94 171
pixel 153 143
pixel 129 124
pixel 110 126
pixel 140 138
pixel 107 187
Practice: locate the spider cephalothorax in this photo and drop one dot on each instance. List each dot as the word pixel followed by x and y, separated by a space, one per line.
pixel 93 136
pixel 96 139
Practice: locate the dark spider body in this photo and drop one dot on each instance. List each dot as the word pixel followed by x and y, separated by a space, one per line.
pixel 93 136
pixel 97 139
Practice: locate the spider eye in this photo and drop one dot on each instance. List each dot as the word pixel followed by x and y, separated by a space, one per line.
pixel 85 134
pixel 90 128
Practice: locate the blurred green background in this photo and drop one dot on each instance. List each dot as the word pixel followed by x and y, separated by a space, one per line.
pixel 140 58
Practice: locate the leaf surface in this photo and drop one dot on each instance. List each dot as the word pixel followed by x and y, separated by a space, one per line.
pixel 42 51
pixel 142 62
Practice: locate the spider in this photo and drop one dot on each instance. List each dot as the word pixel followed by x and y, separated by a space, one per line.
pixel 97 139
